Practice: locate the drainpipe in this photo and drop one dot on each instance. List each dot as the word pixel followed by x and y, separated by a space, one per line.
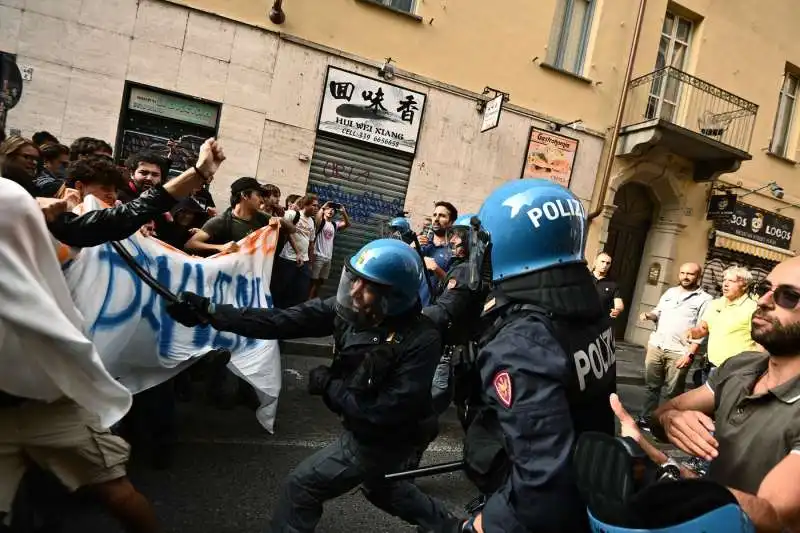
pixel 623 98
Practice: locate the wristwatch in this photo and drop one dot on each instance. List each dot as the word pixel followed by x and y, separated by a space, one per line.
pixel 670 469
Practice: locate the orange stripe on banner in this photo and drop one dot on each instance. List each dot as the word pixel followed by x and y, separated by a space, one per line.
pixel 63 253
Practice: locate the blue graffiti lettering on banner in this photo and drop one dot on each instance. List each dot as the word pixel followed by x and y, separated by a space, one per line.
pixel 361 207
pixel 145 303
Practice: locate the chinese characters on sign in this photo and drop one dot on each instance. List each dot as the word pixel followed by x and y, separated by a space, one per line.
pixel 758 225
pixel 371 110
pixel 550 156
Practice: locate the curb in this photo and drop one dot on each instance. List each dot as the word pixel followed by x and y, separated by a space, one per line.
pixel 307 349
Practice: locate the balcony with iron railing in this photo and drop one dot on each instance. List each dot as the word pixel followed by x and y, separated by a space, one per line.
pixel 691 118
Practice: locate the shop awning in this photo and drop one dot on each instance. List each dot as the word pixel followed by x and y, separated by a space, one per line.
pixel 750 247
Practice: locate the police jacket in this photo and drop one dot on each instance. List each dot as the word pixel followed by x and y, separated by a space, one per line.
pixel 112 224
pixel 381 375
pixel 547 368
pixel 457 309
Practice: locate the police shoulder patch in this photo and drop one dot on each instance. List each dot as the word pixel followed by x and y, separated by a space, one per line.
pixel 502 386
pixel 452 283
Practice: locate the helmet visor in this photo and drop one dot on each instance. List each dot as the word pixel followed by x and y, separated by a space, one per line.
pixel 360 301
pixel 459 241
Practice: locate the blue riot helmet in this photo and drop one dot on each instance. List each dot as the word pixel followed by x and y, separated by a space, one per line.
pixel 460 236
pixel 380 280
pixel 729 518
pixel 399 228
pixel 533 224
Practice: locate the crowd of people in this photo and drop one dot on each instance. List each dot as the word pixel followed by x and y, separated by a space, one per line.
pixel 494 313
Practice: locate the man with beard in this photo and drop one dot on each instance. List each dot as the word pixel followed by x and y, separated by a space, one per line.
pixel 669 356
pixel 435 246
pixel 746 420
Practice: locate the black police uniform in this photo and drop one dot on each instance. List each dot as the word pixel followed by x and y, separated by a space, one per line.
pixel 379 385
pixel 457 313
pixel 547 366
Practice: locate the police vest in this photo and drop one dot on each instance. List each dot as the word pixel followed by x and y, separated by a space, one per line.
pixel 590 347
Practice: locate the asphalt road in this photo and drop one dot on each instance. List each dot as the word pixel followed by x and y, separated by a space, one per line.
pixel 227 469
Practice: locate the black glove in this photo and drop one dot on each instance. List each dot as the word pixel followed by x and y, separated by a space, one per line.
pixel 191 309
pixel 318 380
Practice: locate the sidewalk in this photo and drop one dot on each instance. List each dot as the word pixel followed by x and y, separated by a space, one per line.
pixel 630 357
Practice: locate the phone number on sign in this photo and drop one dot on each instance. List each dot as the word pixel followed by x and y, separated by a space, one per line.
pixel 364 136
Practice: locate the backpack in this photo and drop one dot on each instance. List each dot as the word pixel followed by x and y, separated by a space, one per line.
pixel 283 237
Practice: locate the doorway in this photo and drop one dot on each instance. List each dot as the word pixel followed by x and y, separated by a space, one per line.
pixel 627 235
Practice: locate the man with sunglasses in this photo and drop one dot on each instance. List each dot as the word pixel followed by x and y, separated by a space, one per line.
pixel 746 420
pixel 726 320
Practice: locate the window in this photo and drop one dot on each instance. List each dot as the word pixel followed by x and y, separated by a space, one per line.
pixel 673 51
pixel 570 35
pixel 784 119
pixel 400 5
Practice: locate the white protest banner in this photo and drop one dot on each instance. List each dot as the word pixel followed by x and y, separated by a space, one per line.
pixel 140 344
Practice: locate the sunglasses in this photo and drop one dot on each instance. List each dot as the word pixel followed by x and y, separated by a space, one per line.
pixel 785 296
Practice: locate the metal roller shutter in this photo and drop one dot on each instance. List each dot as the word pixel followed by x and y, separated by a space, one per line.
pixel 370 183
pixel 719 259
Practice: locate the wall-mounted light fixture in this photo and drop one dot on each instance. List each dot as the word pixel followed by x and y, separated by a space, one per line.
pixel 774 188
pixel 387 70
pixel 555 126
pixel 276 14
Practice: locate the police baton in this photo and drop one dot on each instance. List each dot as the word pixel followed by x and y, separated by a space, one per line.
pixel 143 274
pixel 432 470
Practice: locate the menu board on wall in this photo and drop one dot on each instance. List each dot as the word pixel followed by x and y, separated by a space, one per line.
pixel 550 156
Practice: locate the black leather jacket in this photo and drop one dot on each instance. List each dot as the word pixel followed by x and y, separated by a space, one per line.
pixel 112 224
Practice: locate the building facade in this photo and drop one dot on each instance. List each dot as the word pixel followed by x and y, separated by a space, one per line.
pixel 292 107
pixel 309 104
pixel 706 162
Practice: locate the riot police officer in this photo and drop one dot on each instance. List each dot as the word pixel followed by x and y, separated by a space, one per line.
pixel 379 382
pixel 458 302
pixel 546 362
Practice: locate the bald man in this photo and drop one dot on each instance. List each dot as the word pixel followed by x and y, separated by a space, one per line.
pixel 669 354
pixel 607 288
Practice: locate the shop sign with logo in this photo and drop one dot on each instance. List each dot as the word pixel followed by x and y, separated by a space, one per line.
pixel 371 111
pixel 550 156
pixel 173 107
pixel 721 206
pixel 758 225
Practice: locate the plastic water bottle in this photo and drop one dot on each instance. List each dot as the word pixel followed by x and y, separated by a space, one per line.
pixel 699 465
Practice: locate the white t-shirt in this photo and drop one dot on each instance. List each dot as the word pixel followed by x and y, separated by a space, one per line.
pixel 323 247
pixel 302 237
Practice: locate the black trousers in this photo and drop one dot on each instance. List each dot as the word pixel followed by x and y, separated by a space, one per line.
pixel 343 466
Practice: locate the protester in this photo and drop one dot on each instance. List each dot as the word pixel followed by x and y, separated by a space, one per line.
pixel 291 279
pixel 52 176
pixel 57 401
pixel 326 230
pixel 21 153
pixel 222 233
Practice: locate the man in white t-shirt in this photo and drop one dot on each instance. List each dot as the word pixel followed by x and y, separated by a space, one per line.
pixel 326 230
pixel 291 277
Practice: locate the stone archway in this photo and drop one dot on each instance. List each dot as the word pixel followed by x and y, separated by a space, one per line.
pixel 656 181
pixel 627 237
